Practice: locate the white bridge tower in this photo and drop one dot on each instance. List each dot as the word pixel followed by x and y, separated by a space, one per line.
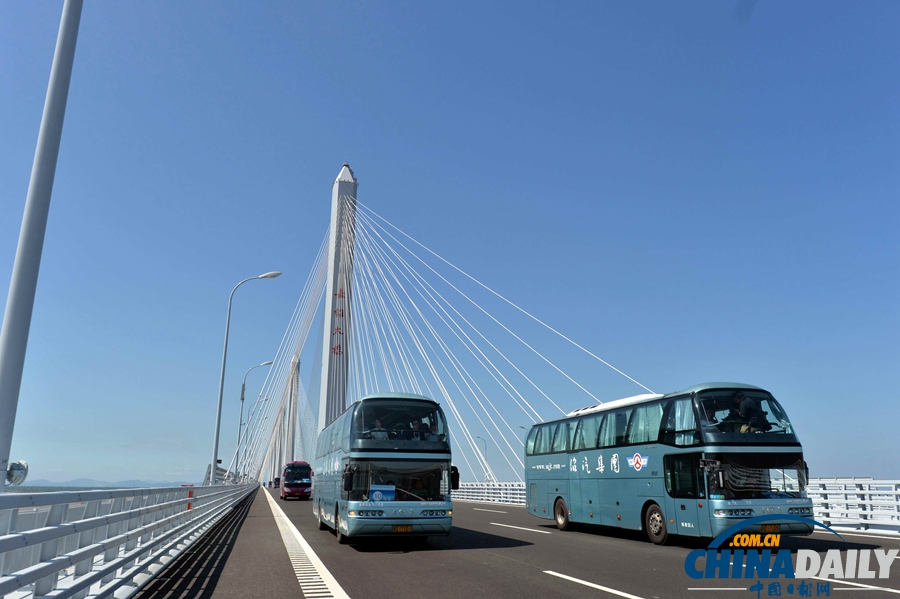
pixel 336 329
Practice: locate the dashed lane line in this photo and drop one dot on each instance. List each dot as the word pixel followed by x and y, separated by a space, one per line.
pixel 543 532
pixel 314 578
pixel 592 585
pixel 478 509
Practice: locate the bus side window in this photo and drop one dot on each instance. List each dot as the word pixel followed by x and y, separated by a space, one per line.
pixel 346 427
pixel 561 438
pixel 590 429
pixel 545 437
pixel 644 425
pixel 680 428
pixel 529 444
pixel 574 429
pixel 683 475
pixel 608 431
pixel 622 424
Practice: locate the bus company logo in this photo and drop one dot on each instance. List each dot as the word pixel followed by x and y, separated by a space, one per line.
pixel 738 555
pixel 638 461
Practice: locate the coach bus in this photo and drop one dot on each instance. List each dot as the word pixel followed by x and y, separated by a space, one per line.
pixel 689 463
pixel 296 480
pixel 383 468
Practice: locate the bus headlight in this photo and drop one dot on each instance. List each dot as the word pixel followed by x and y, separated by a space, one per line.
pixel 351 513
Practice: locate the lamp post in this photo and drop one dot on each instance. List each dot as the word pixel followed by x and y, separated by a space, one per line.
pixel 215 454
pixel 244 388
pixel 23 283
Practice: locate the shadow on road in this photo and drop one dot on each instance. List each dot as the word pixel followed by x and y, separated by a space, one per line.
pixel 196 572
pixel 459 539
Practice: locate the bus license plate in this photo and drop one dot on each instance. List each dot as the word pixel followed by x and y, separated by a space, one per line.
pixel 403 528
pixel 770 527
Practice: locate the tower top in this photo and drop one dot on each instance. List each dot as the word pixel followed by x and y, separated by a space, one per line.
pixel 346 173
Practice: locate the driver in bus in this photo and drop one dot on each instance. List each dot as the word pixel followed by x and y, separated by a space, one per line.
pixel 752 415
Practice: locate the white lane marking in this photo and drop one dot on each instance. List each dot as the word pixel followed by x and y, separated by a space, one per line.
pixel 717 589
pixel 868 587
pixel 592 585
pixel 302 557
pixel 850 534
pixel 478 509
pixel 543 532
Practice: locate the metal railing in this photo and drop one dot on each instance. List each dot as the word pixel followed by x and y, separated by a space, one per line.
pixel 860 503
pixel 102 543
pixel 510 493
pixel 865 504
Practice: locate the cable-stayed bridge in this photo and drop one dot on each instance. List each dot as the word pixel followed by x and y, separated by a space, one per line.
pixel 382 312
pixel 398 317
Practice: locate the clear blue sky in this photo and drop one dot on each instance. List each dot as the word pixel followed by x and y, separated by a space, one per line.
pixel 693 195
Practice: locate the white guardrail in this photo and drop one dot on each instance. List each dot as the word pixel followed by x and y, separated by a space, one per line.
pixel 860 503
pixel 105 543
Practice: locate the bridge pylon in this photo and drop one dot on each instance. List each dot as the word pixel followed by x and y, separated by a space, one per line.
pixel 336 329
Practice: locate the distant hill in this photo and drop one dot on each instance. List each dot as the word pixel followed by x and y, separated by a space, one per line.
pixel 90 483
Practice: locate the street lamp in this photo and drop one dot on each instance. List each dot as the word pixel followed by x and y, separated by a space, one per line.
pixel 243 388
pixel 215 455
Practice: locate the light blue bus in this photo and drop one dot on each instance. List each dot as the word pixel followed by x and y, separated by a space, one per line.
pixel 383 468
pixel 688 463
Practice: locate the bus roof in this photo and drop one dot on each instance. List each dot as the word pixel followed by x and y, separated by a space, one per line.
pixel 645 397
pixel 625 401
pixel 396 396
pixel 707 386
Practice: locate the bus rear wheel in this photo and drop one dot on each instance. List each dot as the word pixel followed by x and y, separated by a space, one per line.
pixel 561 513
pixel 655 525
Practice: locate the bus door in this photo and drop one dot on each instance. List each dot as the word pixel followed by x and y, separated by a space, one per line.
pixel 686 500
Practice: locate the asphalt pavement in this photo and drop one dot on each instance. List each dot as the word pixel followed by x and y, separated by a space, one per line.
pixel 494 551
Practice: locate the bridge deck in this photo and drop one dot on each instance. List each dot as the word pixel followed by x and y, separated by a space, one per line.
pixel 494 551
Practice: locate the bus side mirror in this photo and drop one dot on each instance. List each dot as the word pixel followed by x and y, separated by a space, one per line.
pixel 454 478
pixel 348 481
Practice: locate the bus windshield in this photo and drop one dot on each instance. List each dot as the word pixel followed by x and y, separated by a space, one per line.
pixel 297 474
pixel 743 416
pixel 395 424
pixel 755 475
pixel 399 480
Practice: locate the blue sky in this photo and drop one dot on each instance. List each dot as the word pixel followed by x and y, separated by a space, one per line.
pixel 691 195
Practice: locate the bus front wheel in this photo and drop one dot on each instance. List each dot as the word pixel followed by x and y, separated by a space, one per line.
pixel 341 538
pixel 562 515
pixel 322 525
pixel 655 525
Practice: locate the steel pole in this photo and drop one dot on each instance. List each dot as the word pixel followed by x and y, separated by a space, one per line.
pixel 23 284
pixel 215 455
